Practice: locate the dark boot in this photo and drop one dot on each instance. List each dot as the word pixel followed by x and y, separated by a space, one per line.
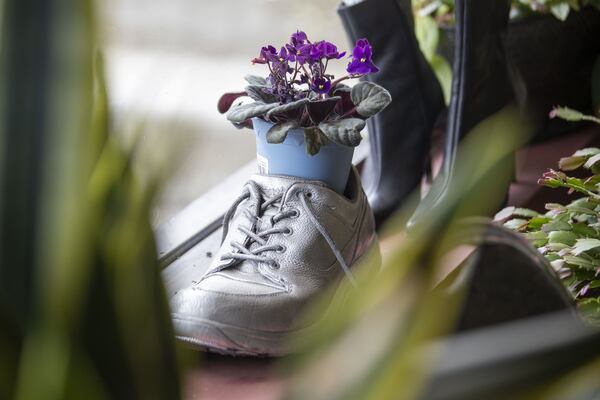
pixel 399 135
pixel 481 84
pixel 504 279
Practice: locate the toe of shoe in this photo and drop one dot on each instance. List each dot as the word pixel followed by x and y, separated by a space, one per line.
pixel 225 323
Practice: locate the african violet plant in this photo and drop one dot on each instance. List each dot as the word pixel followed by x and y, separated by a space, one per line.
pixel 569 235
pixel 300 93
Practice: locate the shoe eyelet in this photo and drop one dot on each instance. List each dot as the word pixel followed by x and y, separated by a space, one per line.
pixel 288 232
pixel 295 214
pixel 281 249
pixel 275 265
pixel 309 195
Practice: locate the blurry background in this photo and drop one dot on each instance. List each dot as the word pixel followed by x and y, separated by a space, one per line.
pixel 168 62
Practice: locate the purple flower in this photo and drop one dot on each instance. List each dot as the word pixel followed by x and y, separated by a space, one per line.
pixel 280 61
pixel 315 53
pixel 328 50
pixel 267 54
pixel 300 53
pixel 361 63
pixel 298 38
pixel 321 85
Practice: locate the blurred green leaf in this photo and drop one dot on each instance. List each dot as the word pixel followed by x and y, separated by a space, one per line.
pixel 592 161
pixel 571 163
pixel 516 224
pixel 581 262
pixel 81 299
pixel 443 71
pixel 427 33
pixel 568 114
pixel 583 245
pixel 560 11
pixel 560 236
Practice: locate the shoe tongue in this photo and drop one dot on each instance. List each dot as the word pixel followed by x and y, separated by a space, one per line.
pixel 270 185
pixel 276 184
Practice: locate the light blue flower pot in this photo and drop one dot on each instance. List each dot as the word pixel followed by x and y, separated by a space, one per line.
pixel 330 165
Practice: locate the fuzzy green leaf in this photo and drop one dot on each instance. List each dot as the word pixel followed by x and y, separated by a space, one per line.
pixel 345 131
pixel 278 132
pixel 370 98
pixel 257 93
pixel 255 80
pixel 313 140
pixel 241 113
pixel 283 108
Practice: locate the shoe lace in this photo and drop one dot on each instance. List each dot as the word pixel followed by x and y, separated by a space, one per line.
pixel 256 234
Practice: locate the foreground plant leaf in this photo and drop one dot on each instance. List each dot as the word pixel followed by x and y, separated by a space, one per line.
pixel 370 98
pixel 239 114
pixel 345 132
pixel 345 107
pixel 319 110
pixel 255 80
pixel 313 140
pixel 284 108
pixel 258 93
pixel 278 132
pixel 226 101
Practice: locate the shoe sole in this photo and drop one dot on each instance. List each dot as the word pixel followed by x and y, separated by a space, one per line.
pixel 215 337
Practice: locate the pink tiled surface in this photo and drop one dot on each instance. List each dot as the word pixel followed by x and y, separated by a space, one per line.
pixel 234 378
pixel 533 161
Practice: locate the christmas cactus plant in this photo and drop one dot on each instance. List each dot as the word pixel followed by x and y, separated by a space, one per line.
pixel 568 235
pixel 300 93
